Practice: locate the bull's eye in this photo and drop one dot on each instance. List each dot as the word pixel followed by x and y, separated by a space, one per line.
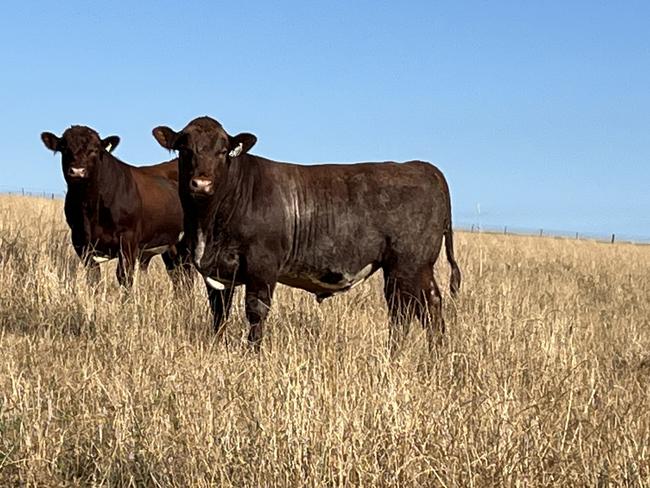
pixel 186 156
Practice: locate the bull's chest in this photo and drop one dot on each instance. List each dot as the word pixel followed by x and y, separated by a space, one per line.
pixel 219 260
pixel 100 227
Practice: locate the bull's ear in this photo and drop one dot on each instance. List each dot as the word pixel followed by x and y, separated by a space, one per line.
pixel 165 137
pixel 110 143
pixel 51 141
pixel 241 143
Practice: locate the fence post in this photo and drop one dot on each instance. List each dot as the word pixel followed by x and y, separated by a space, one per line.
pixel 505 229
pixel 472 230
pixel 541 231
pixel 22 190
pixel 613 236
pixel 576 235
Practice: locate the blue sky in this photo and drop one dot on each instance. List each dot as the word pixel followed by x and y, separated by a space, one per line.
pixel 537 112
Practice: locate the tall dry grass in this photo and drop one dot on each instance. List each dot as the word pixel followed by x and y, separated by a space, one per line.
pixel 543 380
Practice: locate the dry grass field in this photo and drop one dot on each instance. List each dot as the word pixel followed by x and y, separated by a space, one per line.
pixel 544 378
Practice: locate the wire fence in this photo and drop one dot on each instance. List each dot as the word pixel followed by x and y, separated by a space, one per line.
pixel 543 232
pixel 32 192
pixel 462 226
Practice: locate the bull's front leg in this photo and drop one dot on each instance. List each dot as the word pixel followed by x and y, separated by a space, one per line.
pixel 220 303
pixel 127 261
pixel 259 294
pixel 178 261
pixel 93 273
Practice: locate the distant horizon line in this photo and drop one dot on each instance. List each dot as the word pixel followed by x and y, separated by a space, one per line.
pixel 458 224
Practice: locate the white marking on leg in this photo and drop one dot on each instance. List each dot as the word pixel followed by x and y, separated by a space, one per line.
pixel 217 285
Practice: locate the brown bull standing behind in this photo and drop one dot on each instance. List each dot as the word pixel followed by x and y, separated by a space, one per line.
pixel 321 228
pixel 116 210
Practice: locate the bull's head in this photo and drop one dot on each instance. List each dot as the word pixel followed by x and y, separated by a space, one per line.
pixel 204 152
pixel 81 149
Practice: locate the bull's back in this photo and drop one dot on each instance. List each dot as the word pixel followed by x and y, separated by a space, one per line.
pixel 162 215
pixel 167 170
pixel 385 195
pixel 367 178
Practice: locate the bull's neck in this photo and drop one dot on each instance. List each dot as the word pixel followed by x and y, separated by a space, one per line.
pixel 232 198
pixel 101 189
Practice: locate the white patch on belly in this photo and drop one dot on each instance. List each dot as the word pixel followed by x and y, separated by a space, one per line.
pixel 200 248
pixel 361 276
pixel 349 280
pixel 101 259
pixel 217 285
pixel 156 250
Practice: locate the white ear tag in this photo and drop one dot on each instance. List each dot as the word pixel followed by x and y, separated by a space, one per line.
pixel 108 148
pixel 237 151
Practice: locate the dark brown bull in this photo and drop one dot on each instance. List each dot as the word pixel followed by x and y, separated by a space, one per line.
pixel 322 228
pixel 116 210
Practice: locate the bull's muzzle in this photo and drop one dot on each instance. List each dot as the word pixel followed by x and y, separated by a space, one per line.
pixel 77 172
pixel 201 186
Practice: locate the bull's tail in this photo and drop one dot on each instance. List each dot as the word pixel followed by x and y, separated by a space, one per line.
pixel 454 282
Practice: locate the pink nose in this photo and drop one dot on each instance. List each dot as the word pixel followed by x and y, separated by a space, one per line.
pixel 77 172
pixel 203 185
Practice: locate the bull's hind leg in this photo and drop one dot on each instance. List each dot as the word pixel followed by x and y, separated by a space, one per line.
pixel 431 316
pixel 402 303
pixel 412 293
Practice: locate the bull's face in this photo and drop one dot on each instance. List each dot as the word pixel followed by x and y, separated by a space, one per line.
pixel 81 149
pixel 204 151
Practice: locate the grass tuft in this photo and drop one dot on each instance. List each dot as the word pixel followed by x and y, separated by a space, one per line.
pixel 544 378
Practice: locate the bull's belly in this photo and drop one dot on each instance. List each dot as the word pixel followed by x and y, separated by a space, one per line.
pixel 323 285
pixel 328 283
pixel 103 252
